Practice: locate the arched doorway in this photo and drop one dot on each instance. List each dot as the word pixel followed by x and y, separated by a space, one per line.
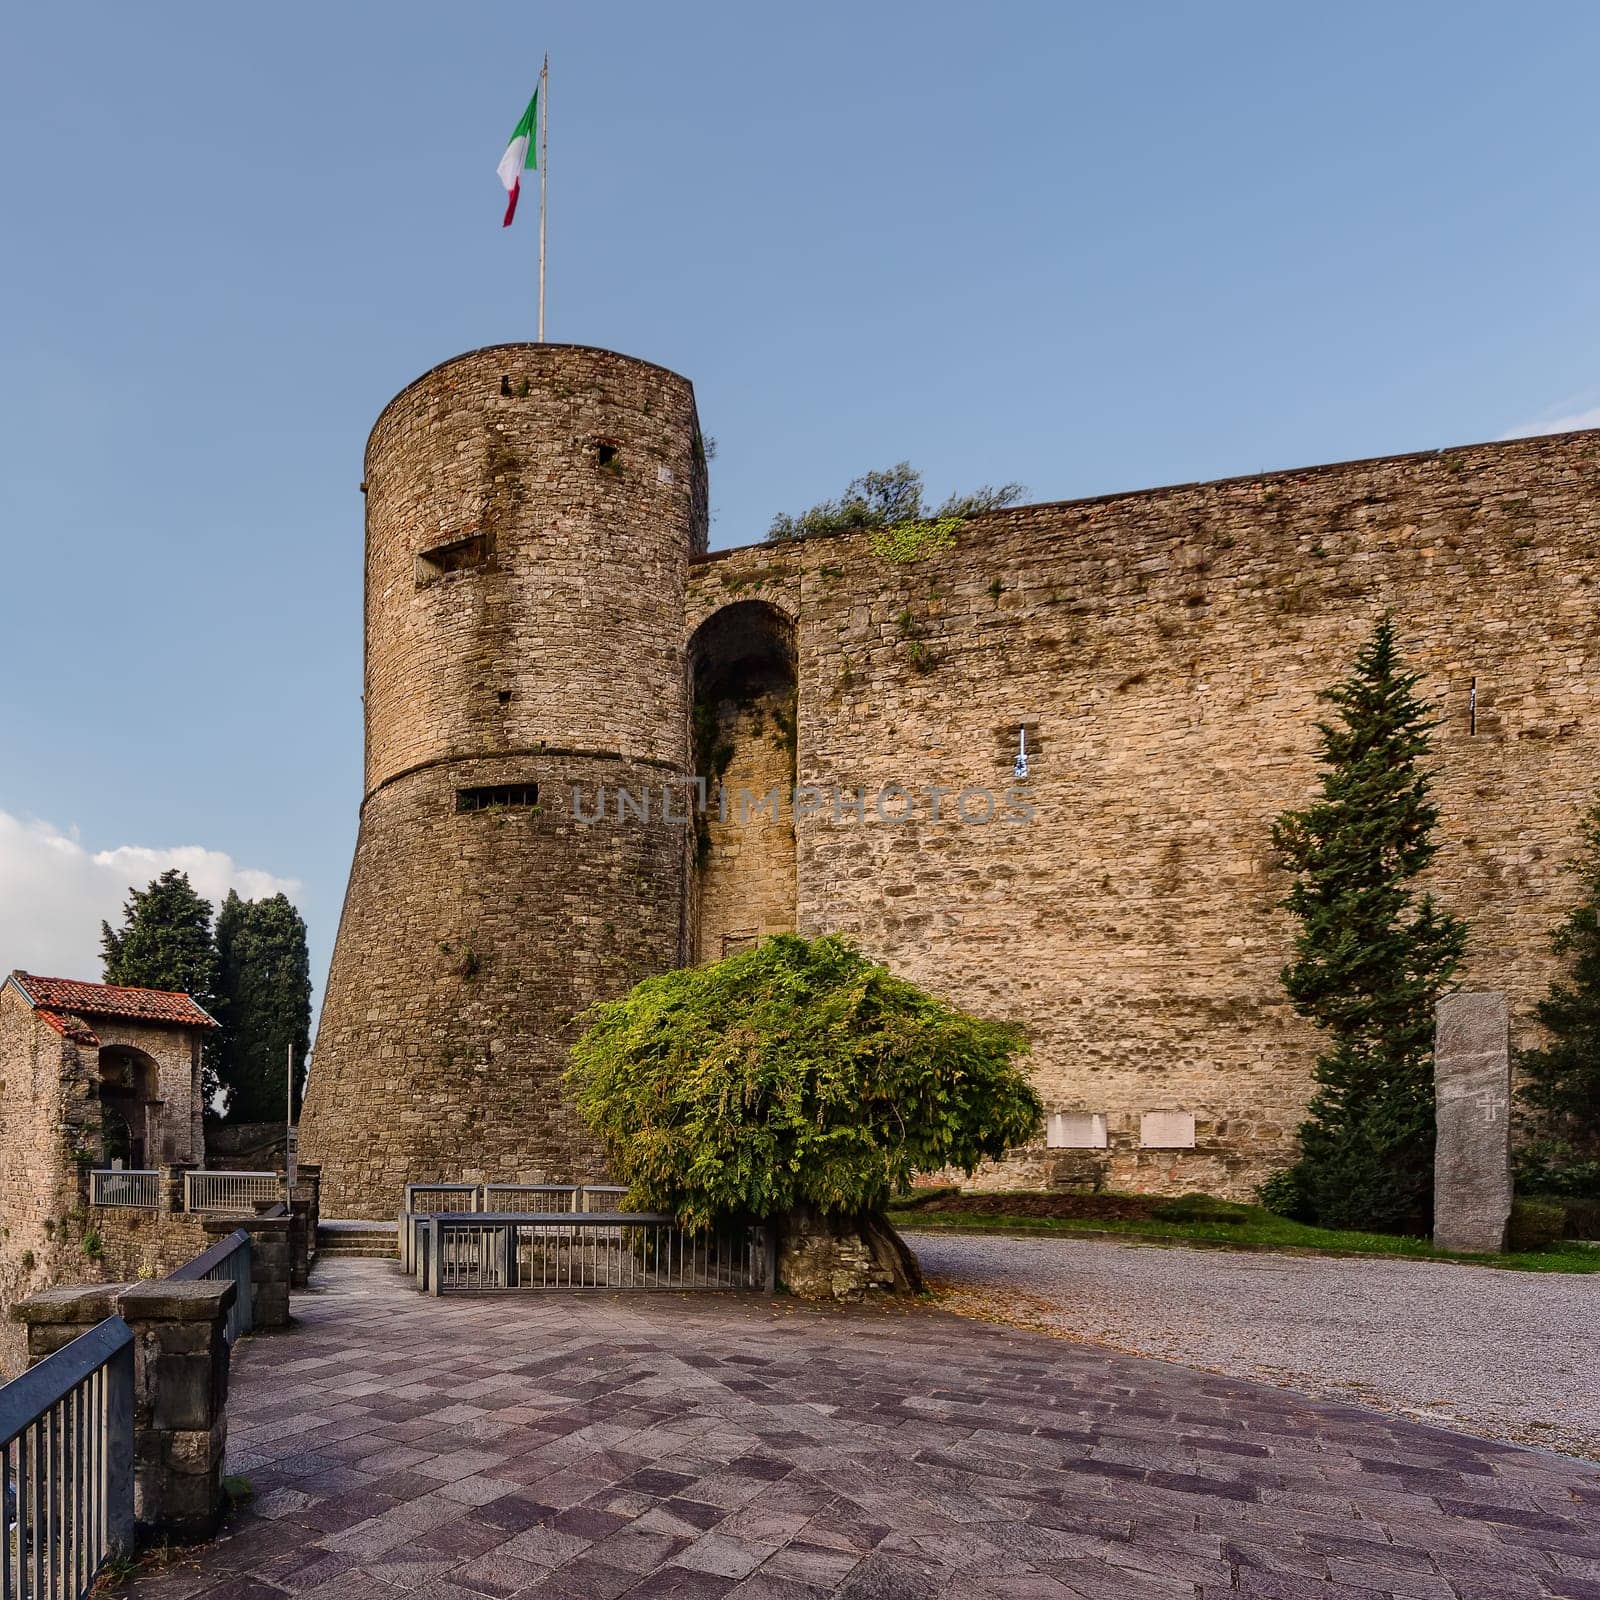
pixel 743 699
pixel 130 1106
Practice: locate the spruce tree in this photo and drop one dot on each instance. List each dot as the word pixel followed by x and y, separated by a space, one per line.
pixel 1560 1082
pixel 1371 957
pixel 264 984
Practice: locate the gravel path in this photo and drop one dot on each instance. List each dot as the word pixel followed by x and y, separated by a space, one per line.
pixel 1505 1355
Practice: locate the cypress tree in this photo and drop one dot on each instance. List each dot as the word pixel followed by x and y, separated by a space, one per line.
pixel 164 941
pixel 1560 1082
pixel 265 986
pixel 1371 957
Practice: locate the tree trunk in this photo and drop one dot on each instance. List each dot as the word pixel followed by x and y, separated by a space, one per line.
pixel 843 1257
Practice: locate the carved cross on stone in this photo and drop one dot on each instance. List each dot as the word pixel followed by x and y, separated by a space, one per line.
pixel 1472 1156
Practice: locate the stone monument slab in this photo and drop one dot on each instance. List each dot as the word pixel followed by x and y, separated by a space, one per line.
pixel 1472 1157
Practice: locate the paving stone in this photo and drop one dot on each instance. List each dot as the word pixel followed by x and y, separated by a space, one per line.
pixel 572 1448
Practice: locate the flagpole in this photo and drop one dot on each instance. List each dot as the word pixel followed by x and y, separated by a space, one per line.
pixel 544 172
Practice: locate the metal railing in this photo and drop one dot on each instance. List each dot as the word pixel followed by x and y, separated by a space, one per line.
pixel 413 1240
pixel 528 1197
pixel 114 1186
pixel 230 1191
pixel 474 1251
pixel 66 1442
pixel 227 1261
pixel 441 1197
pixel 599 1197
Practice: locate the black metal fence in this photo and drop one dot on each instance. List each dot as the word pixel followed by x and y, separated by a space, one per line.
pixel 66 1439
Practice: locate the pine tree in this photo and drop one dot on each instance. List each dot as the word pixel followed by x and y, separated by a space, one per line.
pixel 1560 1083
pixel 1372 955
pixel 164 941
pixel 264 984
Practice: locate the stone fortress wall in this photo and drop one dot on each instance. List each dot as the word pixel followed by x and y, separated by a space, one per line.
pixel 541 612
pixel 1164 650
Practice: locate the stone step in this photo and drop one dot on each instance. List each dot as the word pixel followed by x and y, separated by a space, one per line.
pixel 372 1239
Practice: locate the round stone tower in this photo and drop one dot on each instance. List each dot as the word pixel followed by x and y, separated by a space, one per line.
pixel 531 512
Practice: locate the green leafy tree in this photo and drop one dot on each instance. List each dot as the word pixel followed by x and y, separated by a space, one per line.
pixel 795 1077
pixel 1372 955
pixel 165 940
pixel 885 500
pixel 1559 1083
pixel 264 984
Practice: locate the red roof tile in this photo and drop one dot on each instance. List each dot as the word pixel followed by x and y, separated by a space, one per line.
pixel 68 1027
pixel 52 997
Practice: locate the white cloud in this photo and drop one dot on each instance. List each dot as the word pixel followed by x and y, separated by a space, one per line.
pixel 54 893
pixel 1570 422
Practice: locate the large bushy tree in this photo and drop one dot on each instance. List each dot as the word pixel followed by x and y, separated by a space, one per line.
pixel 264 990
pixel 1560 1081
pixel 885 500
pixel 796 1077
pixel 165 940
pixel 1372 956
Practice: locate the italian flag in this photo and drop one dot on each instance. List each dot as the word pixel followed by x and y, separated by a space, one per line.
pixel 522 154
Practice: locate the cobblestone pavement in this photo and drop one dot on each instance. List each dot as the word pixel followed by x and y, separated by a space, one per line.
pixel 1510 1355
pixel 582 1448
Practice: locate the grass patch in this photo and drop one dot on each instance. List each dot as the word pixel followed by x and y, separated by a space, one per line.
pixel 1208 1222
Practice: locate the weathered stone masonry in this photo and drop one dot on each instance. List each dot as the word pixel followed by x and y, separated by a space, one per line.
pixel 54 1065
pixel 540 611
pixel 1165 650
pixel 531 512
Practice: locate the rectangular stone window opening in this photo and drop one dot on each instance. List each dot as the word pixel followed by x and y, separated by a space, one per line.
pixel 459 555
pixel 1076 1130
pixel 1472 709
pixel 484 797
pixel 1166 1130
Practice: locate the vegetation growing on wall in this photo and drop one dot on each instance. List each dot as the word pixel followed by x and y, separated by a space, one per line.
pixel 906 542
pixel 1560 1081
pixel 798 1074
pixel 891 499
pixel 1372 955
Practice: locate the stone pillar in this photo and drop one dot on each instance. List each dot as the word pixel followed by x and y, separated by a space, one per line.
pixel 269 1265
pixel 172 1183
pixel 180 1396
pixel 55 1317
pixel 1472 1160
pixel 306 1208
pixel 180 1389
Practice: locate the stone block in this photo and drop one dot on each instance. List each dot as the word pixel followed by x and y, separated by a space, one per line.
pixel 1472 1155
pixel 77 1305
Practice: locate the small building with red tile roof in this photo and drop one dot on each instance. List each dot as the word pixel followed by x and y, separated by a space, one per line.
pixel 130 1056
pixel 92 1075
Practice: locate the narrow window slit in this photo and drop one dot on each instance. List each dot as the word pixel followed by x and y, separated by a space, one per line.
pixel 484 796
pixel 457 555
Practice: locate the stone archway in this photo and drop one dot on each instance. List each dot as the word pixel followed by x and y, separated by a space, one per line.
pixel 130 1106
pixel 742 664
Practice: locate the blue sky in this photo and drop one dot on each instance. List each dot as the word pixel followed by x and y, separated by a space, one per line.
pixel 1083 247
